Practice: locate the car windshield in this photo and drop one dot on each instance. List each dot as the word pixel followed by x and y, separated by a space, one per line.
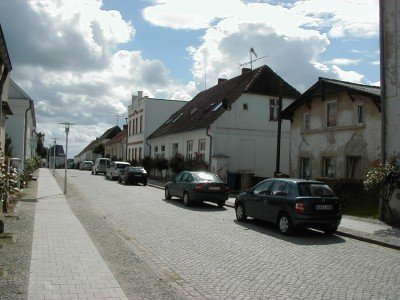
pixel 314 189
pixel 207 177
pixel 121 166
pixel 136 169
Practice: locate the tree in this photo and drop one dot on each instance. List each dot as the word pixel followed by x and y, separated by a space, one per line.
pixel 99 149
pixel 177 163
pixel 8 182
pixel 148 163
pixel 384 178
pixel 39 146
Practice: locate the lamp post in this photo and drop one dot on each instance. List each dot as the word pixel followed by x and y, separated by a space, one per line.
pixel 54 156
pixel 66 124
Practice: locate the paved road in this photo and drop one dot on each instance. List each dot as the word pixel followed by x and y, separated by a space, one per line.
pixel 205 252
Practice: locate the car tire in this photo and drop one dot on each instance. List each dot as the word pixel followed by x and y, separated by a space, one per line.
pixel 285 224
pixel 145 183
pixel 240 213
pixel 330 230
pixel 167 194
pixel 125 182
pixel 186 199
pixel 221 204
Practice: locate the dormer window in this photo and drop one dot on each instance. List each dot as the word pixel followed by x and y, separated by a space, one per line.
pixel 193 110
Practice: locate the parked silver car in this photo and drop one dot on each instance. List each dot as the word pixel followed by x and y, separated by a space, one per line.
pixel 101 165
pixel 115 169
pixel 86 165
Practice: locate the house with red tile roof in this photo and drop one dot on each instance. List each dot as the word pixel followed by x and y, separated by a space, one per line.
pixel 232 126
pixel 116 147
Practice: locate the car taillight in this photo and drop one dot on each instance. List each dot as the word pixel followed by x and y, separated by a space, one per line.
pixel 199 187
pixel 300 207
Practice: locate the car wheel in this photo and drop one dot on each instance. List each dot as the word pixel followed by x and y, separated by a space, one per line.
pixel 285 224
pixel 145 183
pixel 167 194
pixel 126 182
pixel 240 213
pixel 221 204
pixel 330 230
pixel 186 200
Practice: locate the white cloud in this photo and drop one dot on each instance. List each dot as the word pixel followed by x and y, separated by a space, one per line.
pixel 376 63
pixel 351 76
pixel 344 61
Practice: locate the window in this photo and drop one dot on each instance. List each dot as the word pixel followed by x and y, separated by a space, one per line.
pixel 140 153
pixel 129 153
pixel 130 127
pixel 136 125
pixel 360 114
pixel 245 106
pixel 189 150
pixel 133 127
pixel 162 150
pixel 135 153
pixel 141 124
pixel 202 149
pixel 331 114
pixel 155 151
pixel 174 149
pixel 280 188
pixel 306 121
pixel 273 109
pixel 352 166
pixel 263 188
pixel 328 166
pixel 305 167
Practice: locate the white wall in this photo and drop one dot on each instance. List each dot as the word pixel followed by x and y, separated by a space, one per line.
pixel 249 138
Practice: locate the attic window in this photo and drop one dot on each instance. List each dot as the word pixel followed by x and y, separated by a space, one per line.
pixel 193 110
pixel 210 107
pixel 217 106
pixel 176 118
pixel 245 106
pixel 168 121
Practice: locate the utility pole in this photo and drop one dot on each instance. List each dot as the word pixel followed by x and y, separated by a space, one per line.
pixel 126 142
pixel 66 124
pixel 278 141
pixel 54 156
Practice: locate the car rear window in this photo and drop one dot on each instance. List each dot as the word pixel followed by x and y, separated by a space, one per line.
pixel 121 166
pixel 314 189
pixel 206 176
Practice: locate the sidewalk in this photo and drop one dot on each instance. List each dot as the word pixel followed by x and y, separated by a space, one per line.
pixel 371 231
pixel 65 264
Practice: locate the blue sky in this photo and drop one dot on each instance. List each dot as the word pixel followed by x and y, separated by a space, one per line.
pixel 81 60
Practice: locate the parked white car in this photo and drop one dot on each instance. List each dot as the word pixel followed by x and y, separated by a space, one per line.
pixel 101 165
pixel 115 169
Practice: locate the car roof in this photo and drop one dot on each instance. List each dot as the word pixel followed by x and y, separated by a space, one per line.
pixel 297 180
pixel 121 162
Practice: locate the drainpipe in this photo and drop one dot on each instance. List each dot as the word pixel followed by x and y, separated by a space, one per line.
pixel 4 76
pixel 26 129
pixel 147 143
pixel 278 138
pixel 209 154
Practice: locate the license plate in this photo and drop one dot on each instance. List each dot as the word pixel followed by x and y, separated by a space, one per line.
pixel 323 207
pixel 214 188
pixel 138 175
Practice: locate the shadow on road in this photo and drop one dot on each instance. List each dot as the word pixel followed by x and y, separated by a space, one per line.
pixel 202 206
pixel 304 237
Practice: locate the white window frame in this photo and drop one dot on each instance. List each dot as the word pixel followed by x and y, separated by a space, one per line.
pixel 202 149
pixel 273 109
pixel 325 167
pixel 189 149
pixel 302 170
pixel 306 121
pixel 162 147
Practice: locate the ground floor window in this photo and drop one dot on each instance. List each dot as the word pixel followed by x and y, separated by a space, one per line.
pixel 328 166
pixel 189 150
pixel 202 149
pixel 174 149
pixel 305 167
pixel 352 167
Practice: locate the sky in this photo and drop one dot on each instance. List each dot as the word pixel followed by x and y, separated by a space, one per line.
pixel 82 60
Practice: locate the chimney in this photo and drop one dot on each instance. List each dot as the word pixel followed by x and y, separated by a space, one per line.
pixel 245 70
pixel 140 95
pixel 125 127
pixel 221 80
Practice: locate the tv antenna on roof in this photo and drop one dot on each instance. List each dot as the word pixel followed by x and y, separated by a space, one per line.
pixel 252 52
pixel 117 115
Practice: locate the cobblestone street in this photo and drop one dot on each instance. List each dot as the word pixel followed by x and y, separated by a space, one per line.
pixel 203 252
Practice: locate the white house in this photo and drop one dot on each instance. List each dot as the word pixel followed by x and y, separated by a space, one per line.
pixel 144 116
pixel 116 147
pixel 335 130
pixel 232 126
pixel 5 69
pixel 21 126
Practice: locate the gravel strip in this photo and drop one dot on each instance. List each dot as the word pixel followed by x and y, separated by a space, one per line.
pixel 15 255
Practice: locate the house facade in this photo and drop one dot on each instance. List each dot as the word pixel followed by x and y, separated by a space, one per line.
pixel 335 130
pixel 21 126
pixel 116 147
pixel 231 126
pixel 145 115
pixel 5 69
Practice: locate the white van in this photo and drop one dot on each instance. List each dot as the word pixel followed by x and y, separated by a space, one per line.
pixel 101 165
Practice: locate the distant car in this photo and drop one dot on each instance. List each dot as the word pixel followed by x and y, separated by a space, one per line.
pixel 86 165
pixel 132 175
pixel 197 186
pixel 291 204
pixel 115 169
pixel 101 165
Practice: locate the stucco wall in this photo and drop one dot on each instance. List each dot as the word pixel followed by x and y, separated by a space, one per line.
pixel 345 139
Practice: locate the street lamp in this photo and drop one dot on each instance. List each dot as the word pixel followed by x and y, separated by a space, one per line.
pixel 66 124
pixel 54 156
pixel 126 142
